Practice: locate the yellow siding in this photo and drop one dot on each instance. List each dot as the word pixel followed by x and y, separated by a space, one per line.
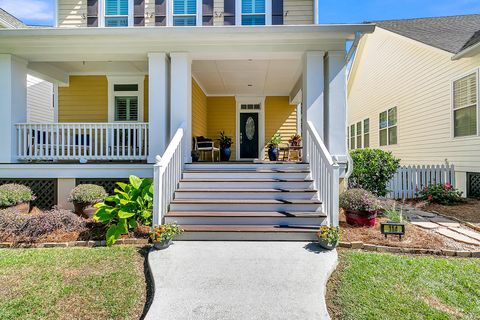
pixel 71 13
pixel 392 70
pixel 199 111
pixel 85 100
pixel 298 12
pixel 221 117
pixel 280 117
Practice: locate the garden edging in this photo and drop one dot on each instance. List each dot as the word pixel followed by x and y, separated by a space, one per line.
pixel 90 243
pixel 435 252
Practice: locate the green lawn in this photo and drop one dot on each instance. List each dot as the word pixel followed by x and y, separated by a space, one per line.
pixel 386 286
pixel 72 283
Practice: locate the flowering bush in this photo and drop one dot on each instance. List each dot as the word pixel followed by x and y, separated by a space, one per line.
pixel 87 194
pixel 359 200
pixel 165 232
pixel 13 194
pixel 441 194
pixel 330 234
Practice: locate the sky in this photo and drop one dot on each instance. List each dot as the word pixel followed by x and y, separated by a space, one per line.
pixel 40 12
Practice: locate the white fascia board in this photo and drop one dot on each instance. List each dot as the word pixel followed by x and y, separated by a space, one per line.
pixel 468 52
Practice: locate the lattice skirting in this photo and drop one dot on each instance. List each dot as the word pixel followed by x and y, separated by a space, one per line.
pixel 473 185
pixel 44 189
pixel 107 183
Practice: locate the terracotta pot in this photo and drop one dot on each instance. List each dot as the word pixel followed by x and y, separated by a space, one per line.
pixel 361 218
pixel 22 208
pixel 164 244
pixel 84 210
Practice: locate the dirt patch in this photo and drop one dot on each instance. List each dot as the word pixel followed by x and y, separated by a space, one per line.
pixel 332 296
pixel 434 303
pixel 415 237
pixel 468 211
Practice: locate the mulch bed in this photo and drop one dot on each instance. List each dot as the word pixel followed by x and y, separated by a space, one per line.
pixel 468 211
pixel 415 237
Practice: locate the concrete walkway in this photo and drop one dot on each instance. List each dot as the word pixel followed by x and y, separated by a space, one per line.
pixel 240 280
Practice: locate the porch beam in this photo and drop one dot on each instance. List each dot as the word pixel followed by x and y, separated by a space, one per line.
pixel 181 98
pixel 158 113
pixel 336 105
pixel 13 103
pixel 47 72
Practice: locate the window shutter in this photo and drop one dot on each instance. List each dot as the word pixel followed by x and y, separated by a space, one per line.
pixel 229 12
pixel 277 12
pixel 139 13
pixel 92 13
pixel 160 12
pixel 207 12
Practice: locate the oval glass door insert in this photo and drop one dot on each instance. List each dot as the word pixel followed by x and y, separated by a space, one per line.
pixel 250 128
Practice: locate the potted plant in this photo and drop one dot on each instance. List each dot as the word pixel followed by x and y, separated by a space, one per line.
pixel 225 144
pixel 16 196
pixel 328 237
pixel 195 155
pixel 84 197
pixel 273 147
pixel 361 207
pixel 295 140
pixel 163 235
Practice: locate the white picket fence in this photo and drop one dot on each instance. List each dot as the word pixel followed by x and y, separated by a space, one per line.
pixel 410 179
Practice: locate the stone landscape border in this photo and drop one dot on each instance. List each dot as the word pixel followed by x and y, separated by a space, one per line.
pixel 435 252
pixel 70 244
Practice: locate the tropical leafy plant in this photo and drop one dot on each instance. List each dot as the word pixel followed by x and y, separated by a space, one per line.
pixel 441 194
pixel 372 169
pixel 12 194
pixel 131 204
pixel 225 141
pixel 275 140
pixel 165 232
pixel 295 140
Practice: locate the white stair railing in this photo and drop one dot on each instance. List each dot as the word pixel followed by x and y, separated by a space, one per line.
pixel 325 174
pixel 167 173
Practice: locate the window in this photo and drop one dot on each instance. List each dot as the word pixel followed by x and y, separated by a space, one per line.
pixel 465 105
pixel 359 135
pixel 254 12
pixel 388 127
pixel 366 133
pixel 352 136
pixel 184 12
pixel 125 98
pixel 116 13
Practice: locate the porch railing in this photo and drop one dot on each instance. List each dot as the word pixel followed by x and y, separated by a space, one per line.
pixel 325 174
pixel 167 173
pixel 82 141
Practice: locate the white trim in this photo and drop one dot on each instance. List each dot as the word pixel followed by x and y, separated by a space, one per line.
pixel 452 113
pixel 316 13
pixel 112 80
pixel 101 13
pixel 261 123
pixel 268 12
pixel 199 15
pixel 387 128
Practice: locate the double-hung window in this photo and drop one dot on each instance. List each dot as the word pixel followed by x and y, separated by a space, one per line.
pixel 116 13
pixel 184 12
pixel 366 133
pixel 254 12
pixel 388 127
pixel 465 105
pixel 126 102
pixel 352 136
pixel 359 134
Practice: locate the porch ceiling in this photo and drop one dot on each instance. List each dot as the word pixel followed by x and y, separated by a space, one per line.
pixel 247 77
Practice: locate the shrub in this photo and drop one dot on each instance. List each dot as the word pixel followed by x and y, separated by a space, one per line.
pixel 441 194
pixel 372 169
pixel 132 203
pixel 87 194
pixel 13 194
pixel 359 200
pixel 30 227
pixel 165 232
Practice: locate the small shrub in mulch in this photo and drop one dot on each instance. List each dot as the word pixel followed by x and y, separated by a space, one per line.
pixel 12 194
pixel 441 193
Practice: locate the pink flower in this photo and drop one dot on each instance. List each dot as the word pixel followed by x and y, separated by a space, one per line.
pixel 448 186
pixel 430 198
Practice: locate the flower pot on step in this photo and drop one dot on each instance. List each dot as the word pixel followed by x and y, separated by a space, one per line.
pixel 164 244
pixel 225 154
pixel 326 245
pixel 361 218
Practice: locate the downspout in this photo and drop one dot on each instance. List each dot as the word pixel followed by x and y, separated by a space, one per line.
pixel 349 56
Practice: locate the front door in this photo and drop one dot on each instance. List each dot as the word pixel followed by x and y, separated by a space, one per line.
pixel 249 135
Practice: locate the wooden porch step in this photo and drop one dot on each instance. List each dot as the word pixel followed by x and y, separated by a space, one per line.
pixel 266 190
pixel 247 170
pixel 244 201
pixel 249 228
pixel 243 180
pixel 254 214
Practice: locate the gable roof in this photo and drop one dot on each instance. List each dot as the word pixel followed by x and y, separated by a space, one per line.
pixel 453 33
pixel 9 21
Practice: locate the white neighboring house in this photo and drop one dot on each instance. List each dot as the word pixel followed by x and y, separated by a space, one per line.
pixel 139 80
pixel 39 92
pixel 414 89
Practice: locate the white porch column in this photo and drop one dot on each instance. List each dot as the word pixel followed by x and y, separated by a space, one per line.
pixel 312 92
pixel 158 112
pixel 181 98
pixel 336 104
pixel 13 103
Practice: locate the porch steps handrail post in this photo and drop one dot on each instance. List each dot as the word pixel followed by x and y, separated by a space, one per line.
pixel 325 174
pixel 167 173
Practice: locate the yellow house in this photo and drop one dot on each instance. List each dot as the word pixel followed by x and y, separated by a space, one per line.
pixel 413 90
